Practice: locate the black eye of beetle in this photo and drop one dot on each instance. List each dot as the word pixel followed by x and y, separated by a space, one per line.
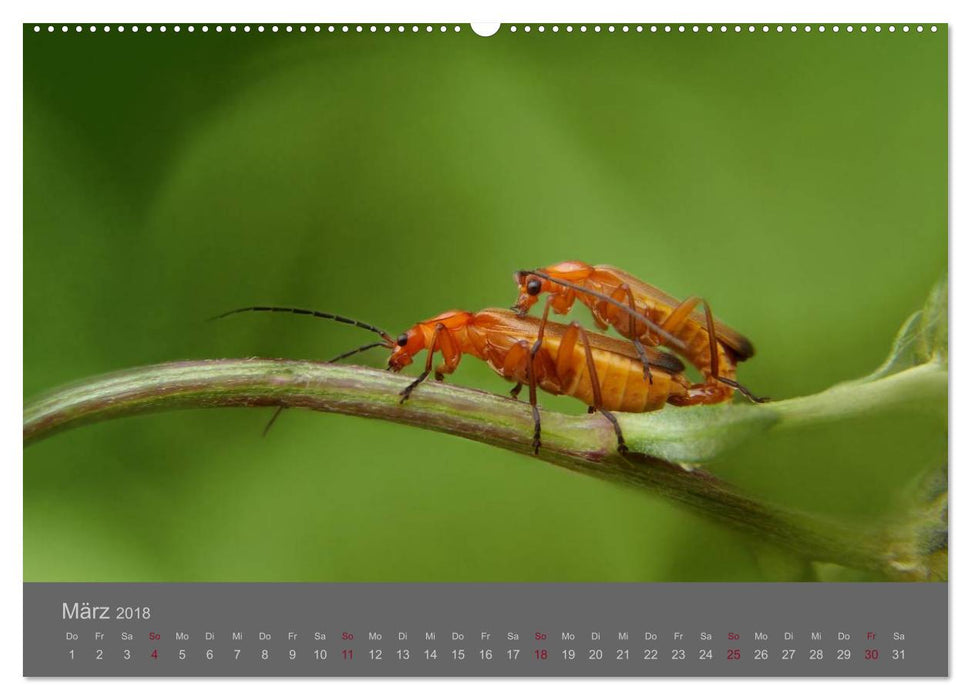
pixel 533 287
pixel 402 340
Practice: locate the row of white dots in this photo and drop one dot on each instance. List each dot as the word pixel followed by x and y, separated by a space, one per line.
pixel 738 28
pixel 246 28
pixel 667 28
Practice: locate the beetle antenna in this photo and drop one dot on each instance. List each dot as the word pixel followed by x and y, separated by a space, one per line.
pixel 316 314
pixel 357 350
pixel 671 340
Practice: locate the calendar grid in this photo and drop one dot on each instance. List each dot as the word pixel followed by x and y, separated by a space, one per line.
pixel 505 629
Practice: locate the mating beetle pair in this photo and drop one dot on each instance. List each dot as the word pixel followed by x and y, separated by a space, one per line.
pixel 605 373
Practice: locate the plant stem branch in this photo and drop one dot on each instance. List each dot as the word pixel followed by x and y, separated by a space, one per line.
pixel 584 444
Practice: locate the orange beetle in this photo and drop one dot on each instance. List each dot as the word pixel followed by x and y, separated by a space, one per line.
pixel 604 373
pixel 647 316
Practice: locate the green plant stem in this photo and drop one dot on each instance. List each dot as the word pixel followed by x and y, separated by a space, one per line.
pixel 926 382
pixel 584 444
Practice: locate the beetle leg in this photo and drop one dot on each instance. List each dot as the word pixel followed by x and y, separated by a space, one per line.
pixel 677 317
pixel 621 445
pixel 710 322
pixel 269 424
pixel 517 363
pixel 619 295
pixel 680 314
pixel 450 355
pixel 743 390
pixel 563 299
pixel 531 375
pixel 432 347
pixel 565 367
pixel 591 365
pixel 537 428
pixel 542 328
pixel 595 384
pixel 642 354
pixel 712 348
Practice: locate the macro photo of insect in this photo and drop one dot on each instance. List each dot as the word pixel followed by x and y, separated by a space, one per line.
pixel 603 373
pixel 456 308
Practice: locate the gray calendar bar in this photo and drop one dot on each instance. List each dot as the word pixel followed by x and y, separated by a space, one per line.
pixel 501 629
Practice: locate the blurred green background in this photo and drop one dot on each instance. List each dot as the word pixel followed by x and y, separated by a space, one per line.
pixel 797 181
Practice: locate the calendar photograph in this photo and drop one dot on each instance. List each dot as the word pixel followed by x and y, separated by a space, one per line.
pixel 558 303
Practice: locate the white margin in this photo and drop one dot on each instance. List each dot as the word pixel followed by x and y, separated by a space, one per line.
pixel 508 11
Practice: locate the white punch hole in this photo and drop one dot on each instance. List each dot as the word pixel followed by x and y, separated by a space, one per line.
pixel 485 28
